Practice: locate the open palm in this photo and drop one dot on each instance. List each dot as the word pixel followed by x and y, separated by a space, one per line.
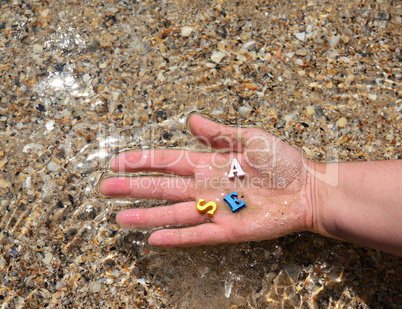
pixel 273 188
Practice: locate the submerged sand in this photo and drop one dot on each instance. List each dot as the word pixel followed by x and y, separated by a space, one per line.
pixel 83 80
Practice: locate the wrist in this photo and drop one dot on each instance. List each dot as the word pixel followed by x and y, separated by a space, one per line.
pixel 316 190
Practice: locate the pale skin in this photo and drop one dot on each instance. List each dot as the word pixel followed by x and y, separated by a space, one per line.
pixel 283 192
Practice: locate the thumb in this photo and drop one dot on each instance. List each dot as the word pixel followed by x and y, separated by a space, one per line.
pixel 217 135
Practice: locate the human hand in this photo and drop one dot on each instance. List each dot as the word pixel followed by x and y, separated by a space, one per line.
pixel 275 188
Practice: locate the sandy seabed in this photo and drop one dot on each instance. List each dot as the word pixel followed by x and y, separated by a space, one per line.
pixel 83 80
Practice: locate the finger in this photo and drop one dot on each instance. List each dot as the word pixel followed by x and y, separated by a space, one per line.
pixel 216 135
pixel 204 234
pixel 178 214
pixel 169 188
pixel 178 162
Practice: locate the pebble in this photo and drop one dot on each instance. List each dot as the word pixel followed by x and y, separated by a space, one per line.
pixel 345 39
pixel 3 183
pixel 45 13
pixel 186 31
pixel 115 95
pixel 310 110
pixel 217 112
pixel 333 40
pixel 53 165
pixel 342 122
pixel 86 77
pixel 37 49
pixel 249 45
pixel 2 163
pixel 299 61
pixel 399 108
pixel 48 258
pixel 217 56
pixel 308 152
pixel 319 111
pixel 300 36
pixel 350 77
pixel 301 52
pixel 243 111
pixel 96 287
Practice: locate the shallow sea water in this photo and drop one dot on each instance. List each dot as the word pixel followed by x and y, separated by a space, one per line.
pixel 82 81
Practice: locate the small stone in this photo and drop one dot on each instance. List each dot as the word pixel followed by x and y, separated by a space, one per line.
pixel 374 261
pixel 328 84
pixel 249 45
pixel 45 13
pixel 342 122
pixel 372 96
pixel 161 77
pixel 301 52
pixel 333 40
pixel 281 124
pixel 210 65
pixel 308 152
pixel 53 165
pixel 48 258
pixel 241 57
pixel 290 54
pixel 345 39
pixel 2 163
pixel 243 111
pixel 86 77
pixel 96 287
pixel 115 95
pixel 217 56
pixel 217 112
pixel 319 111
pixel 221 47
pixel 299 61
pixel 331 54
pixel 301 72
pixel 103 65
pixel 3 264
pixel 389 137
pixel 142 72
pixel 140 47
pixel 113 10
pixel 300 36
pixel 350 77
pixel 310 110
pixel 37 49
pixel 398 108
pixel 3 183
pixel 186 31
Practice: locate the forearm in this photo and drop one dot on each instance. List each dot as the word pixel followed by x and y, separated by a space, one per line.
pixel 364 207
